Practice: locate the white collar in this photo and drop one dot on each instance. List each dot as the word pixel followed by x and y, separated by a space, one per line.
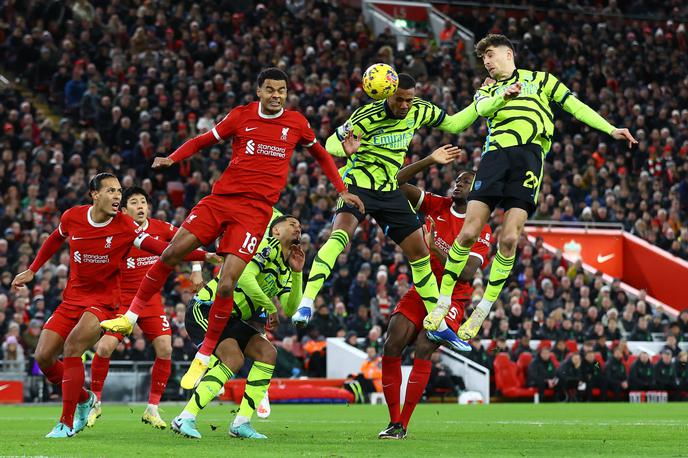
pixel 457 214
pixel 268 116
pixel 145 225
pixel 93 223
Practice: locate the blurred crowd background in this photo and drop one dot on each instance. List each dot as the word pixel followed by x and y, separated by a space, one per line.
pixel 107 86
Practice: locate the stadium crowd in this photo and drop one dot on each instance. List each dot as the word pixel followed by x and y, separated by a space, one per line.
pixel 124 84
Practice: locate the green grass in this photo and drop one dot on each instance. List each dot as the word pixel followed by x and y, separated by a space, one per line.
pixel 436 430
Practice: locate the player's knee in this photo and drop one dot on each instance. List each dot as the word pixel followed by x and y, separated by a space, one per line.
pixel 225 287
pixel 392 348
pixel 106 348
pixel 424 350
pixel 468 236
pixel 268 354
pixel 507 242
pixel 171 256
pixel 163 351
pixel 44 359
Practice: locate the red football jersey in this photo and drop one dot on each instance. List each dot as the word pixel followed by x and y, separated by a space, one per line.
pixel 96 251
pixel 448 224
pixel 261 150
pixel 137 262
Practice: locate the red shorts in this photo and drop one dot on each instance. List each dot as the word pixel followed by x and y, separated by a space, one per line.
pixel 240 221
pixel 152 324
pixel 66 316
pixel 413 308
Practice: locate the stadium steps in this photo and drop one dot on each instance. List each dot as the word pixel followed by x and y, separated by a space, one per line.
pixel 37 101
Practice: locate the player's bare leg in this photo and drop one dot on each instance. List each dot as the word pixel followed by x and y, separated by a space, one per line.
pixel 48 349
pixel 400 333
pixel 100 365
pixel 183 243
pixel 477 215
pixel 416 250
pixel 219 315
pixel 264 356
pixel 160 373
pixel 418 379
pixel 503 262
pixel 342 231
pixel 75 409
pixel 231 359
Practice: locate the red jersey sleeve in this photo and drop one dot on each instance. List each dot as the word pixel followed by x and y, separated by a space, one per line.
pixel 430 203
pixel 63 227
pixel 481 248
pixel 223 130
pixel 307 134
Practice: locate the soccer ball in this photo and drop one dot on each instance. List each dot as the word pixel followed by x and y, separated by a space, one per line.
pixel 380 81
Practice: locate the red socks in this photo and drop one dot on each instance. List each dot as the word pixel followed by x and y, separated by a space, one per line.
pixel 218 317
pixel 72 388
pixel 418 380
pixel 391 385
pixel 54 372
pixel 152 283
pixel 99 371
pixel 161 372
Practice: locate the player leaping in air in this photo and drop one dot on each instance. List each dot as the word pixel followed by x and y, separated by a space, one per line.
pixel 100 237
pixel 153 322
pixel 383 131
pixel 520 128
pixel 445 217
pixel 240 205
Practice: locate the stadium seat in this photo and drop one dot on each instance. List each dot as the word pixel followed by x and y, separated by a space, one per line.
pixel 507 379
pixel 656 358
pixel 524 360
pixel 572 345
pixel 629 362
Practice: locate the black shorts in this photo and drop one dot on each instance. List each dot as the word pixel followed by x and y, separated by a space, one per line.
pixel 391 210
pixel 196 322
pixel 511 176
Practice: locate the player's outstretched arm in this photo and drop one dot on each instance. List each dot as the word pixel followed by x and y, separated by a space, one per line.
pixel 330 169
pixel 458 122
pixel 442 155
pixel 47 251
pixel 486 105
pixel 584 113
pixel 222 130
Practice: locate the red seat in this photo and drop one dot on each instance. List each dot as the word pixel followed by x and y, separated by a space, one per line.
pixel 599 359
pixel 629 362
pixel 572 345
pixel 507 379
pixel 544 343
pixel 524 360
pixel 656 358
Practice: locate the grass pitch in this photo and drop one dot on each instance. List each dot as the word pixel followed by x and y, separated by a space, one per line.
pixel 338 430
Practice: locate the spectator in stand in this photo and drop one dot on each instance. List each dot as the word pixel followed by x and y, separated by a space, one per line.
pixel 560 350
pixel 13 356
pixel 478 354
pixel 371 369
pixel 287 364
pixel 665 374
pixel 571 386
pixel 592 375
pixel 442 379
pixel 542 373
pixel 642 374
pixel 522 346
pixel 671 346
pixel 361 322
pixel 681 367
pixel 323 320
pixel 641 332
pixel 615 378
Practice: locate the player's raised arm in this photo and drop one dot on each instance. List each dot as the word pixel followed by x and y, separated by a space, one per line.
pixel 560 94
pixel 220 132
pixel 442 155
pixel 290 297
pixel 460 121
pixel 47 251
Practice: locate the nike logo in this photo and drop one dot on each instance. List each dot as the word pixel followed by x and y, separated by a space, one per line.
pixel 77 238
pixel 242 251
pixel 603 259
pixel 249 129
pixel 439 218
pixel 385 386
pixel 218 317
pixel 410 382
pixel 4 387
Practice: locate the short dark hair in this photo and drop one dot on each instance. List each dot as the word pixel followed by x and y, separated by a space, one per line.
pixel 406 81
pixel 281 219
pixel 272 73
pixel 97 181
pixel 133 191
pixel 491 40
